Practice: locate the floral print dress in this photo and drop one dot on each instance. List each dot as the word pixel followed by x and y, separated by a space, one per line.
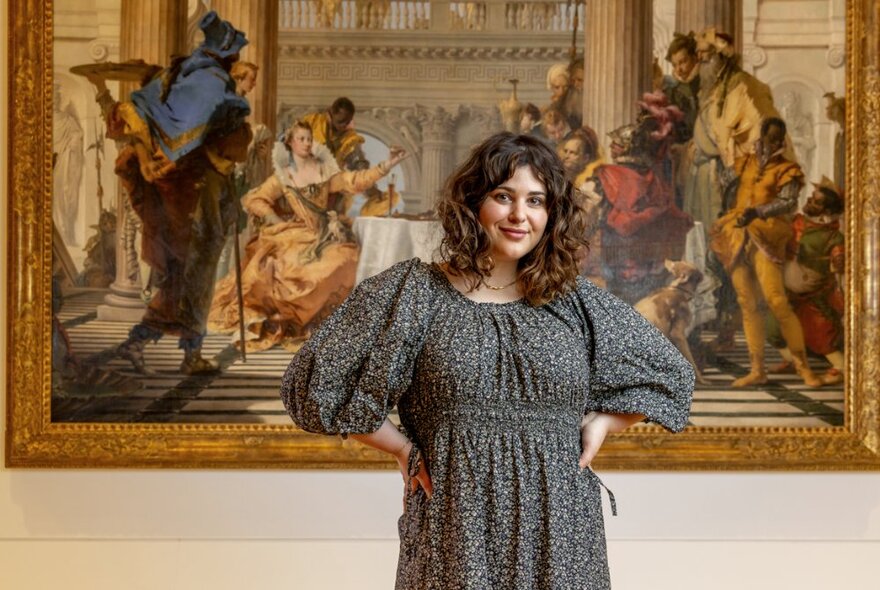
pixel 493 395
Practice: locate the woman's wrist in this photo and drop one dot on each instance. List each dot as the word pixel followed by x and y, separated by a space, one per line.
pixel 613 423
pixel 403 452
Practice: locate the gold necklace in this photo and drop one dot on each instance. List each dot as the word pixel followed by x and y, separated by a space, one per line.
pixel 510 284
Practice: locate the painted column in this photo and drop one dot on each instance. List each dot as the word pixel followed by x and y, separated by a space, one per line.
pixel 617 61
pixel 438 127
pixel 725 15
pixel 259 21
pixel 151 30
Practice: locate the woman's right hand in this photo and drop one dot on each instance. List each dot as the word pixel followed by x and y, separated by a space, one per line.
pixel 395 155
pixel 389 439
pixel 422 477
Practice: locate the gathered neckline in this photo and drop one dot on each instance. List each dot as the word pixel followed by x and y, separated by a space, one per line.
pixel 447 284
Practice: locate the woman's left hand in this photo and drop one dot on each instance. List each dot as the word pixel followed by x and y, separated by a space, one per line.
pixel 595 426
pixel 422 478
pixel 594 429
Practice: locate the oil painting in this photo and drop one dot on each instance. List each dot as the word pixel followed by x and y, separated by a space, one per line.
pixel 187 253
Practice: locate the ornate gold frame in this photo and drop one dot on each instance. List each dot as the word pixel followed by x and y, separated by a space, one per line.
pixel 32 440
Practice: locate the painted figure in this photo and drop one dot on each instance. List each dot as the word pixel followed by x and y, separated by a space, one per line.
pixel 248 175
pixel 99 267
pixel 244 73
pixel 573 102
pixel 579 153
pixel 731 106
pixel 530 121
pixel 67 143
pixel 800 129
pixel 813 275
pixel 302 263
pixel 185 130
pixel 641 225
pixel 835 110
pixel 683 87
pixel 554 125
pixel 557 83
pixel 750 241
pixel 335 129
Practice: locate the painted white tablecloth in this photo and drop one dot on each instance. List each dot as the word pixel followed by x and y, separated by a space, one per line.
pixel 385 241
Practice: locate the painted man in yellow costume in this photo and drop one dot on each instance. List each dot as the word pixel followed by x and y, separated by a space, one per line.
pixel 750 241
pixel 334 129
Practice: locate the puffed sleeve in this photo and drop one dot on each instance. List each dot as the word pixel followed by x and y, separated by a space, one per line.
pixel 634 368
pixel 352 371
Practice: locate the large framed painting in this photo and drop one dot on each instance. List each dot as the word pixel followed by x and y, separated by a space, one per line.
pixel 167 259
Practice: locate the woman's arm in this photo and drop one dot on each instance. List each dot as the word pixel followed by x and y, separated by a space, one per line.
pixel 390 440
pixel 361 180
pixel 595 426
pixel 259 201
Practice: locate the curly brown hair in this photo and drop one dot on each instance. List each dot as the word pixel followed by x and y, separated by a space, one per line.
pixel 551 267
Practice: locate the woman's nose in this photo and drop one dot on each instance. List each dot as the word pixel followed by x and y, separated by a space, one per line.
pixel 517 211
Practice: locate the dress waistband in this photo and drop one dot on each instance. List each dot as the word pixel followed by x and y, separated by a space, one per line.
pixel 509 415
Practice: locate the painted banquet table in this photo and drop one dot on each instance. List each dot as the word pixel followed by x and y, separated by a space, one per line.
pixel 385 241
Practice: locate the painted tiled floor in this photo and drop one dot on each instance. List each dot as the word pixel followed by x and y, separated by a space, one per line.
pixel 248 393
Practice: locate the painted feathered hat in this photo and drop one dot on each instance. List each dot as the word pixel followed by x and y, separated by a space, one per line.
pixel 828 184
pixel 221 38
pixel 712 38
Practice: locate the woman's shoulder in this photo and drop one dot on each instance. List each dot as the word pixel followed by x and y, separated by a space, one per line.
pixel 409 274
pixel 403 296
pixel 589 300
pixel 583 289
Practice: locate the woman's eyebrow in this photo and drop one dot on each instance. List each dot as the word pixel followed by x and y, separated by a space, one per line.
pixel 510 190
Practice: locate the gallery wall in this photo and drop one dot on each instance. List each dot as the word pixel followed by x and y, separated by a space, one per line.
pixel 174 530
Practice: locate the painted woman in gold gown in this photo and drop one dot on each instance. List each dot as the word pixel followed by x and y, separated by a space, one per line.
pixel 302 263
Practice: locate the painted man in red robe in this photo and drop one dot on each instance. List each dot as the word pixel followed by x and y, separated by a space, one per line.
pixel 641 225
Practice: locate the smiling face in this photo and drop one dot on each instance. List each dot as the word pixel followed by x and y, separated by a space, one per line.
pixel 301 142
pixel 514 215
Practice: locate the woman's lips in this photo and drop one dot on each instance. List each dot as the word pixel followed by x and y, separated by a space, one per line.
pixel 514 234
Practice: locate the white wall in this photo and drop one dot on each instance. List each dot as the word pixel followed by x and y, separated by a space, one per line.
pixel 175 530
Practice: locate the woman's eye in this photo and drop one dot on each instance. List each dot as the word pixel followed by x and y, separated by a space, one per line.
pixel 537 201
pixel 502 196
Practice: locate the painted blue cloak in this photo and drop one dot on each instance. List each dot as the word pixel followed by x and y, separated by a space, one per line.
pixel 201 104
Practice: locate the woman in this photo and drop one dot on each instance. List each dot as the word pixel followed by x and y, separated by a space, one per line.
pixel 302 264
pixel 508 371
